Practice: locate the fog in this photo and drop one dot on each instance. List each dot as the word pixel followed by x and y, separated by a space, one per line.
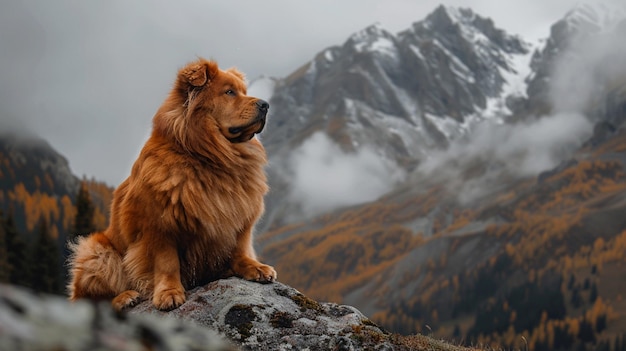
pixel 324 177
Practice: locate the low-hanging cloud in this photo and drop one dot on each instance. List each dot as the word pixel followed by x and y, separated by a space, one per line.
pixel 526 149
pixel 522 150
pixel 325 177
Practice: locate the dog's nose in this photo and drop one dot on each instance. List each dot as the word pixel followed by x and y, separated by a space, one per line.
pixel 262 105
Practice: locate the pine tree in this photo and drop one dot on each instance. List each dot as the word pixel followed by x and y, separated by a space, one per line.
pixel 83 223
pixel 593 295
pixel 572 281
pixel 586 333
pixel 46 275
pixel 17 253
pixel 616 343
pixel 5 267
pixel 577 300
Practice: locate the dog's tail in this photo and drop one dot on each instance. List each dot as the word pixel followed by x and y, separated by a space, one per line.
pixel 96 269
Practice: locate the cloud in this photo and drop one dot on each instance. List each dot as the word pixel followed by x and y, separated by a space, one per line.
pixel 325 178
pixel 525 149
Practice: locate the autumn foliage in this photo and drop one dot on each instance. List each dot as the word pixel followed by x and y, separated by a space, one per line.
pixel 545 273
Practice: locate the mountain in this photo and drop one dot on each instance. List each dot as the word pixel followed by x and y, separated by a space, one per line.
pixel 400 95
pixel 396 99
pixel 506 228
pixel 36 182
pixel 448 67
pixel 31 157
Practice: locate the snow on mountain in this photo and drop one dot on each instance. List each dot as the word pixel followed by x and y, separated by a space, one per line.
pixel 374 39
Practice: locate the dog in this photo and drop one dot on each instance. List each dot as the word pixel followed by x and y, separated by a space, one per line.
pixel 185 215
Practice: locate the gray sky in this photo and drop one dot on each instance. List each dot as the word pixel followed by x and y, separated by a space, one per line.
pixel 89 75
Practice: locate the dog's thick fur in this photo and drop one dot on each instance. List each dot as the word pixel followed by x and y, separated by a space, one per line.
pixel 185 214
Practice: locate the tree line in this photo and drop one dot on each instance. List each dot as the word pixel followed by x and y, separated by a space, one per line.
pixel 37 260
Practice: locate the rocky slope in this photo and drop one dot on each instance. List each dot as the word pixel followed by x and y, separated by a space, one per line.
pixel 253 316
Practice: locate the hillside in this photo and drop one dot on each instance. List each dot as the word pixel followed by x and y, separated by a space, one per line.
pixel 484 271
pixel 38 209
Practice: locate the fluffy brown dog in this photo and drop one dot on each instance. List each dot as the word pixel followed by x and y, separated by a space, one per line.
pixel 185 214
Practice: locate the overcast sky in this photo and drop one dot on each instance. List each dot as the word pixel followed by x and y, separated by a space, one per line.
pixel 88 75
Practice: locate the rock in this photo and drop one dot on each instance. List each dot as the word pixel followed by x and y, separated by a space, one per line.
pixel 32 322
pixel 273 317
pixel 253 316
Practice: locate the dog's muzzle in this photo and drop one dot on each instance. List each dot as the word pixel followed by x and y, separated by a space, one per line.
pixel 255 127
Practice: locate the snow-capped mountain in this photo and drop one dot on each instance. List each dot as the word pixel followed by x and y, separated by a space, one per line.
pixel 403 93
pixel 399 98
pixel 397 95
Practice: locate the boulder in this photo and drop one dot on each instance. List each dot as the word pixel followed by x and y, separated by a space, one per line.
pixel 273 317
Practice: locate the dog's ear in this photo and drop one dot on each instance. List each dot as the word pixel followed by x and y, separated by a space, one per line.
pixel 199 73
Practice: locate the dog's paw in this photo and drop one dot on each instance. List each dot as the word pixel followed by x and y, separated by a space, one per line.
pixel 260 272
pixel 168 299
pixel 126 299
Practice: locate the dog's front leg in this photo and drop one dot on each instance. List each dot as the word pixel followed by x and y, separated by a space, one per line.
pixel 169 292
pixel 244 261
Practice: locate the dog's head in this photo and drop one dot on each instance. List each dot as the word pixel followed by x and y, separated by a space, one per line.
pixel 212 97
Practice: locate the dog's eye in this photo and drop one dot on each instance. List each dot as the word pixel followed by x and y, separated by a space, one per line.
pixel 235 130
pixel 230 92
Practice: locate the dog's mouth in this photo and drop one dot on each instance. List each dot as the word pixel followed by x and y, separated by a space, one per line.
pixel 246 132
